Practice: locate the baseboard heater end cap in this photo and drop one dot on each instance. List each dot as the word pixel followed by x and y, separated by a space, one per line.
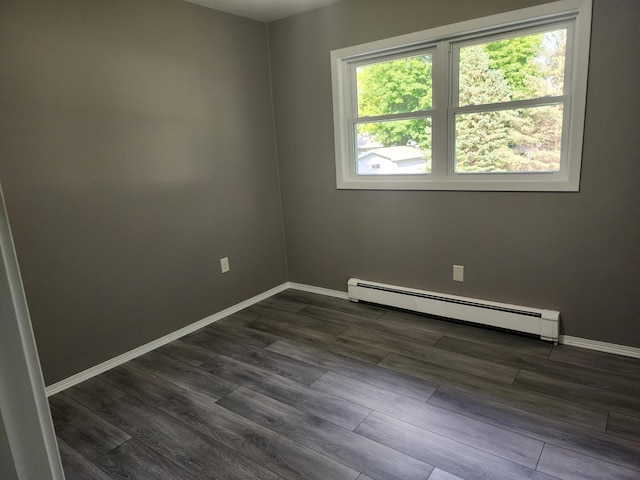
pixel 550 325
pixel 351 285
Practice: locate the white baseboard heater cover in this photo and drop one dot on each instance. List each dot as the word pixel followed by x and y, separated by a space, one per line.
pixel 544 323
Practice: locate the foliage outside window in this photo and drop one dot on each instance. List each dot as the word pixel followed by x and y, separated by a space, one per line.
pixel 526 71
pixel 501 108
pixel 396 98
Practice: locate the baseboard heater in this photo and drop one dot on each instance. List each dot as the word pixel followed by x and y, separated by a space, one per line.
pixel 544 323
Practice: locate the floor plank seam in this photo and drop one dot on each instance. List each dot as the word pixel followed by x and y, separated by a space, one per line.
pixel 544 444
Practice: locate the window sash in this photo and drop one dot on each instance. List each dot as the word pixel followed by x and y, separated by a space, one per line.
pixel 402 54
pixel 562 166
pixel 456 45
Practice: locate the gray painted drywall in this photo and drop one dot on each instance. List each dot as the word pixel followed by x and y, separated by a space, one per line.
pixel 136 150
pixel 7 466
pixel 573 252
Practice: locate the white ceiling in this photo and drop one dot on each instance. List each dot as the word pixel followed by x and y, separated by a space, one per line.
pixel 264 10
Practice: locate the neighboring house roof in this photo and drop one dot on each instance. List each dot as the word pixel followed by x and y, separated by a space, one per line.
pixel 395 154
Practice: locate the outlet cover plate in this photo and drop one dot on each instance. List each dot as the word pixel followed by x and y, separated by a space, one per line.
pixel 224 264
pixel 458 273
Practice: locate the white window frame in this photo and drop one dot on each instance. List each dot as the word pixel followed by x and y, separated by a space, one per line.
pixel 444 42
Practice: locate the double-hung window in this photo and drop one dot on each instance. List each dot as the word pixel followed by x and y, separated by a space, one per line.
pixel 490 104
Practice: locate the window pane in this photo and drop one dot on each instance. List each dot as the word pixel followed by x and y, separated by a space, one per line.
pixel 518 68
pixel 401 147
pixel 519 140
pixel 396 86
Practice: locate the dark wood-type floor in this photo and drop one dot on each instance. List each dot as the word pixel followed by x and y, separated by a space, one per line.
pixel 302 386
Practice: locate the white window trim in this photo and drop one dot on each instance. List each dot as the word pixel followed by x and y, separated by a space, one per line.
pixel 442 176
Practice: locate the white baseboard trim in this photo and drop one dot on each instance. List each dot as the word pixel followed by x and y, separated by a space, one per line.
pixel 136 352
pixel 147 347
pixel 319 290
pixel 614 348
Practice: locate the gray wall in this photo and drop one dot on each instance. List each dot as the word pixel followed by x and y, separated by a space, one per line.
pixel 136 149
pixel 574 252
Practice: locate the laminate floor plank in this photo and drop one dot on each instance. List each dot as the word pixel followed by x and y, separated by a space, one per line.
pixel 625 427
pixel 571 437
pixel 328 312
pixel 313 338
pixel 299 319
pixel 141 384
pixel 133 460
pixel 76 466
pixel 442 475
pixel 94 393
pixel 63 410
pixel 581 394
pixel 283 304
pixel 82 429
pixel 261 358
pixel 601 361
pixel 376 325
pixel 362 454
pixel 569 465
pixel 361 309
pixel 238 319
pixel 483 436
pixel 240 334
pixel 487 336
pixel 467 365
pixel 513 395
pixel 533 364
pixel 183 375
pixel 449 455
pixel 283 456
pixel 323 405
pixel 187 352
pixel 402 384
pixel 194 452
pixel 389 342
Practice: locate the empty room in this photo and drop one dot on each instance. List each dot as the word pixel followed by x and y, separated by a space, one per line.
pixel 320 239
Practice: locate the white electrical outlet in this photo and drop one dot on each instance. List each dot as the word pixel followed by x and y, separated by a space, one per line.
pixel 224 264
pixel 458 273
